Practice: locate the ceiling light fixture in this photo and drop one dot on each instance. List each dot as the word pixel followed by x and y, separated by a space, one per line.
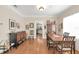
pixel 41 8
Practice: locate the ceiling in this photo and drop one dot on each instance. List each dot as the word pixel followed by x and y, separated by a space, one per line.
pixel 70 11
pixel 31 10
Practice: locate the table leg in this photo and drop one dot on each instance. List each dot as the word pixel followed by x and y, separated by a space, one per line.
pixel 74 47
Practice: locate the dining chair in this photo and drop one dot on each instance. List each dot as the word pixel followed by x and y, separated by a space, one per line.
pixel 67 45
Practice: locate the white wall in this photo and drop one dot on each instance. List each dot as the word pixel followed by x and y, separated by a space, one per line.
pixel 59 20
pixel 71 25
pixel 5 14
pixel 35 20
pixel 44 20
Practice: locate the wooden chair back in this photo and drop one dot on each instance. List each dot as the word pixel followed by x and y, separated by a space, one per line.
pixel 68 41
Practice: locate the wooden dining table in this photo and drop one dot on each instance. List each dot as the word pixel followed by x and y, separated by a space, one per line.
pixel 59 40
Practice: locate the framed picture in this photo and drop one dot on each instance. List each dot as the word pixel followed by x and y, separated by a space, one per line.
pixel 12 24
pixel 31 32
pixel 31 25
pixel 45 27
pixel 26 27
pixel 17 25
pixel 61 25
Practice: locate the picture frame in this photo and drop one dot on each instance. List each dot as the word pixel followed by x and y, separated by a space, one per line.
pixel 61 25
pixel 27 27
pixel 17 25
pixel 45 27
pixel 11 24
pixel 31 25
pixel 31 32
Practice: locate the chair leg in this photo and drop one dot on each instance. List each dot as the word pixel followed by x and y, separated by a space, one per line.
pixel 48 45
pixel 71 50
pixel 74 48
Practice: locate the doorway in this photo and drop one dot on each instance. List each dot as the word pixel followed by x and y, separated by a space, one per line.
pixel 39 30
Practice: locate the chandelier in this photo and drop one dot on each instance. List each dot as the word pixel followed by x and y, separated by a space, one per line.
pixel 41 8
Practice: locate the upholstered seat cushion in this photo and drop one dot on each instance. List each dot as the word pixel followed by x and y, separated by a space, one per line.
pixel 50 41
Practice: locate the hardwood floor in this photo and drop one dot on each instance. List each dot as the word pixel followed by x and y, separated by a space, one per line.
pixel 36 46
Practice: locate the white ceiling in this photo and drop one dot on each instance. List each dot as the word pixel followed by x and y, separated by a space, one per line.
pixel 70 11
pixel 31 10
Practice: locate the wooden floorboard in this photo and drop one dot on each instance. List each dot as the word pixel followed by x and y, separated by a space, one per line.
pixel 36 46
